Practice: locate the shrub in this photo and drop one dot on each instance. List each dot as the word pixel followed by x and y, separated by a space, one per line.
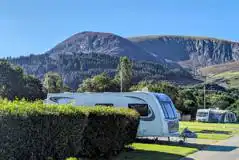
pixel 36 131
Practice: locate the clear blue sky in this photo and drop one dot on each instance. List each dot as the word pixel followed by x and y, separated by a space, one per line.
pixel 34 26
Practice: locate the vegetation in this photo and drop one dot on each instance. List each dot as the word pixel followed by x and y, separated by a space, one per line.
pixel 214 131
pixel 220 68
pixel 99 83
pixel 224 74
pixel 124 72
pixel 104 83
pixel 154 151
pixel 228 79
pixel 15 84
pixel 53 82
pixel 77 67
pixel 188 100
pixel 34 130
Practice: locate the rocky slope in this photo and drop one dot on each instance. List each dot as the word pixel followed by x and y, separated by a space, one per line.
pixel 102 43
pixel 190 51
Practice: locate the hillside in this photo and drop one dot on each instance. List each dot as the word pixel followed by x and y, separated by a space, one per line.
pixel 216 69
pixel 226 75
pixel 190 52
pixel 76 67
pixel 102 43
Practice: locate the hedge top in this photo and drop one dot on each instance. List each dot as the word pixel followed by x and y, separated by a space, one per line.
pixel 24 108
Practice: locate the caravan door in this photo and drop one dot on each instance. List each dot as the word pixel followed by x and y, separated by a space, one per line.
pixel 146 113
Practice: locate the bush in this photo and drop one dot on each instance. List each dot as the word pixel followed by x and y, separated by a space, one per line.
pixel 36 131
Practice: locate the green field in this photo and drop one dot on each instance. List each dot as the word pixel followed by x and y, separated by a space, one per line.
pixel 155 151
pixel 211 130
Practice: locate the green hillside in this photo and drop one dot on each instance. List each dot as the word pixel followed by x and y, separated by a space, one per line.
pixel 224 74
pixel 228 79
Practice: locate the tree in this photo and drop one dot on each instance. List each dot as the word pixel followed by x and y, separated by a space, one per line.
pixel 235 108
pixel 14 84
pixel 99 83
pixel 11 80
pixel 66 88
pixel 187 101
pixel 33 88
pixel 53 82
pixel 221 101
pixel 159 87
pixel 124 70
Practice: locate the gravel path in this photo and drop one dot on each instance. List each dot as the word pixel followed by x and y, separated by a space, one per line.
pixel 223 150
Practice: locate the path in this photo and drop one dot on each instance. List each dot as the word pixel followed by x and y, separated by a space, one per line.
pixel 223 150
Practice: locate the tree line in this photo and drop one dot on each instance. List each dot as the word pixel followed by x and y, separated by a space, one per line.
pixel 76 67
pixel 186 99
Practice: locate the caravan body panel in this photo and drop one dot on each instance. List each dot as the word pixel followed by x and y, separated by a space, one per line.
pixel 158 114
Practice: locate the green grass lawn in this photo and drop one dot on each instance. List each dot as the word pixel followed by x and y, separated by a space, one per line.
pixel 144 151
pixel 212 131
pixel 155 151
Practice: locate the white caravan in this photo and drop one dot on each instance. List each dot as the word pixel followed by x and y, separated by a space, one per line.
pixel 158 114
pixel 216 115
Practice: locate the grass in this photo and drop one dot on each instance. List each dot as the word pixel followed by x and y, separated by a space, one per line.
pixel 212 131
pixel 229 78
pixel 224 74
pixel 144 151
pixel 155 151
pixel 220 68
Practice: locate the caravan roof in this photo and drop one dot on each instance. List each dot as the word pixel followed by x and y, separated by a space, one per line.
pixel 160 96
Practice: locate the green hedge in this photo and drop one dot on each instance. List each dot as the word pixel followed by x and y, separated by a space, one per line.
pixel 36 131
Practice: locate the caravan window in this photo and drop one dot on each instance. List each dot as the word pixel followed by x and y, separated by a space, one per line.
pixel 142 109
pixel 202 114
pixel 105 104
pixel 168 110
pixel 62 100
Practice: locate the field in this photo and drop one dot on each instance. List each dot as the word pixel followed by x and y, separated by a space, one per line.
pixel 211 130
pixel 207 131
pixel 155 151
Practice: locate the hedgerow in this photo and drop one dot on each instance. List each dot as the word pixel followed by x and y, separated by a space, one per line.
pixel 36 131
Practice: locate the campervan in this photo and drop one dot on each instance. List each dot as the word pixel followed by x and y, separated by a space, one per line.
pixel 158 116
pixel 215 115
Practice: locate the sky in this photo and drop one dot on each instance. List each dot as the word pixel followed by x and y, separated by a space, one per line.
pixel 35 26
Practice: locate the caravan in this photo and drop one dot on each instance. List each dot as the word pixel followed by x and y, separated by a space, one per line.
pixel 158 116
pixel 216 115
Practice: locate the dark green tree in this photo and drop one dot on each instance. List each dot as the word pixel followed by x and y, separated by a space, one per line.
pixel 14 84
pixel 33 88
pixel 99 83
pixel 53 82
pixel 124 73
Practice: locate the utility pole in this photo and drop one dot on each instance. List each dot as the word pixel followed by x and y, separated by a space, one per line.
pixel 205 92
pixel 121 80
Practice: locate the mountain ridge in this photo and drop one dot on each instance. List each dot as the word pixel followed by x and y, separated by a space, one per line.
pixel 155 36
pixel 171 52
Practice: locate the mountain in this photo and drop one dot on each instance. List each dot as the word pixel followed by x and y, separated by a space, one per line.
pixel 102 43
pixel 155 57
pixel 190 52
